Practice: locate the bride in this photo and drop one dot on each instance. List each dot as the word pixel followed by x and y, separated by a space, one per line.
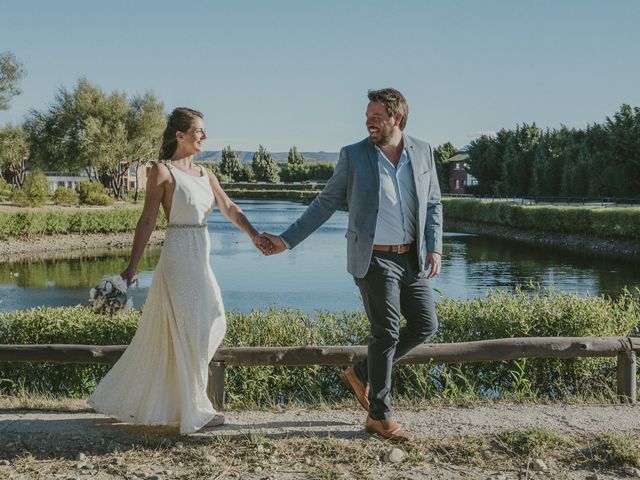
pixel 161 378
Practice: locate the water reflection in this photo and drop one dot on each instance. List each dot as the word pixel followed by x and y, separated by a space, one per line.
pixel 313 275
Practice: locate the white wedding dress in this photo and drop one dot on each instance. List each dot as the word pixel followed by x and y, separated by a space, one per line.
pixel 161 378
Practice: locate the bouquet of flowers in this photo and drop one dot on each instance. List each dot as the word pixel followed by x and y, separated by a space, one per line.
pixel 110 296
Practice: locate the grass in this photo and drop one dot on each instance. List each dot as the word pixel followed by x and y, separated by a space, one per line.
pixel 614 450
pixel 255 456
pixel 25 399
pixel 38 400
pixel 531 441
pixel 500 315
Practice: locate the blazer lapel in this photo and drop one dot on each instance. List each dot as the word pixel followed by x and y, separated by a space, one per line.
pixel 373 161
pixel 417 169
pixel 413 160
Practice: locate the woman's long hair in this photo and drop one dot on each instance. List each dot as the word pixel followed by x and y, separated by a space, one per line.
pixel 180 120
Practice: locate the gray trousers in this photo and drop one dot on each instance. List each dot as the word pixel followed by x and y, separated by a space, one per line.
pixel 393 286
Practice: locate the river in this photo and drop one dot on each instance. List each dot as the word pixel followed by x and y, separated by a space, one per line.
pixel 313 275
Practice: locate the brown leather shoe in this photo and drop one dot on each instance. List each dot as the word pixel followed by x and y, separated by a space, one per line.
pixel 389 429
pixel 352 381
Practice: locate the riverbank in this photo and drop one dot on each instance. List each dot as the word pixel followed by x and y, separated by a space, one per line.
pixel 58 232
pixel 69 245
pixel 618 248
pixel 493 441
pixel 73 245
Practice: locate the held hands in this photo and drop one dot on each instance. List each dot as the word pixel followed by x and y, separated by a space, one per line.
pixel 432 264
pixel 268 244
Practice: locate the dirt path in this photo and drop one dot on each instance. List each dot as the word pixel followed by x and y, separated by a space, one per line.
pixel 433 422
pixel 52 440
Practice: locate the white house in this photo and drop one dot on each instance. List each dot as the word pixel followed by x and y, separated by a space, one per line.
pixel 64 179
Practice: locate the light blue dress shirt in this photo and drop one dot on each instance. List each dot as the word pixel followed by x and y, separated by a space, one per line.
pixel 398 203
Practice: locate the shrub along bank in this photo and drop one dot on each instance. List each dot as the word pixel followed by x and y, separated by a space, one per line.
pixel 599 222
pixel 501 314
pixel 28 222
pixel 616 223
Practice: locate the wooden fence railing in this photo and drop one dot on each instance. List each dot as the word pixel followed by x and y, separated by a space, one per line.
pixel 624 348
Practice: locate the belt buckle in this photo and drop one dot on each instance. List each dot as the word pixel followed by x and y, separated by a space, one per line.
pixel 396 248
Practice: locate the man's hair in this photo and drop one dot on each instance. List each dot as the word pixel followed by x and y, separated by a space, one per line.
pixel 393 101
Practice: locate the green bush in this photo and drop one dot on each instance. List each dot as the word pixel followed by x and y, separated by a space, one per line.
pixel 98 199
pixel 37 188
pixel 39 222
pixel 293 195
pixel 599 222
pixel 5 189
pixel 277 187
pixel 617 450
pixel 500 315
pixel 93 193
pixel 294 173
pixel 246 174
pixel 19 197
pixel 321 170
pixel 65 196
pixel 306 171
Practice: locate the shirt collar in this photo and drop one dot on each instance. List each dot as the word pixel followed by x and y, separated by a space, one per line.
pixel 404 156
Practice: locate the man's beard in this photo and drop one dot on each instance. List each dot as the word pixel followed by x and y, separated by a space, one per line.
pixel 382 140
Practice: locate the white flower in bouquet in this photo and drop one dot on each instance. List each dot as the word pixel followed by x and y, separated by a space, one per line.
pixel 110 296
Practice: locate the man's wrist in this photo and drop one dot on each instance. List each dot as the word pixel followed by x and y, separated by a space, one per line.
pixel 286 244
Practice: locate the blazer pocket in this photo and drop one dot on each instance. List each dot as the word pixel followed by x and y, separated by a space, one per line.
pixel 351 235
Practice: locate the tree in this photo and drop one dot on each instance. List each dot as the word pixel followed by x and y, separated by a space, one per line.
pixel 601 160
pixel 11 72
pixel 14 153
pixel 230 164
pixel 443 153
pixel 509 168
pixel 264 166
pixel 104 135
pixel 104 141
pixel 540 184
pixel 624 147
pixel 295 158
pixel 145 123
pixel 527 139
pixel 56 135
pixel 37 188
pixel 485 161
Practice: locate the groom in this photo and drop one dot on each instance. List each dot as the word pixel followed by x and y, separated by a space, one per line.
pixel 394 243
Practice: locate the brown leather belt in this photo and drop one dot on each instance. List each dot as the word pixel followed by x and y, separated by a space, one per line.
pixel 393 248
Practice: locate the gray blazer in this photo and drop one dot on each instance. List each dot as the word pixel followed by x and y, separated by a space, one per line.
pixel 356 183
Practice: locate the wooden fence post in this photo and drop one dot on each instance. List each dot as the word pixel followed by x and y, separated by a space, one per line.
pixel 627 376
pixel 215 388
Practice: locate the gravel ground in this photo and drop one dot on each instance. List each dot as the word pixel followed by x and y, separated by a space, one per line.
pixel 54 444
pixel 432 422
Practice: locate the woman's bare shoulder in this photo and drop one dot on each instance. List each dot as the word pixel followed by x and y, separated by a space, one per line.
pixel 161 170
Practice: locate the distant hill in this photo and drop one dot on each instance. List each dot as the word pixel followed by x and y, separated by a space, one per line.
pixel 245 157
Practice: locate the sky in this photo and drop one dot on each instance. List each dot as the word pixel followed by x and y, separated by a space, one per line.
pixel 296 72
